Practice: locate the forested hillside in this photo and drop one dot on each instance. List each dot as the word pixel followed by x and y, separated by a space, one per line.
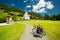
pixel 17 13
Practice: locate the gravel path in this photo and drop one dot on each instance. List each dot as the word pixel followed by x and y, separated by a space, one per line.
pixel 27 35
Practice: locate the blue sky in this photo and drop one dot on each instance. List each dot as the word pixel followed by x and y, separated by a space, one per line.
pixel 39 6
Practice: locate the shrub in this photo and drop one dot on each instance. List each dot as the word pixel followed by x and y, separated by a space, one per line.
pixel 3 17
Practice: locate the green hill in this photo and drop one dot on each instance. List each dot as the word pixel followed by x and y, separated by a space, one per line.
pixel 17 13
pixel 10 9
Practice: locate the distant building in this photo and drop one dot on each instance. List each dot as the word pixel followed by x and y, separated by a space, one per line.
pixel 9 19
pixel 1 10
pixel 26 16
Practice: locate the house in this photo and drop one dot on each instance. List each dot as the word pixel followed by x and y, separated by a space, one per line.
pixel 1 10
pixel 9 19
pixel 26 16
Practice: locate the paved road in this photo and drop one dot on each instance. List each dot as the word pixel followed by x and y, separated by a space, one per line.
pixel 3 24
pixel 27 35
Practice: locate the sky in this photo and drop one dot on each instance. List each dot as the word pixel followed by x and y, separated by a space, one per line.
pixel 38 6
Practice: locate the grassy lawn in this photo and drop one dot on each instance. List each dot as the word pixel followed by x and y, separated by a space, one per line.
pixel 52 28
pixel 11 32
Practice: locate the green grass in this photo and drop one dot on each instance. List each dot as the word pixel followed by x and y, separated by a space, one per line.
pixel 11 32
pixel 14 31
pixel 52 28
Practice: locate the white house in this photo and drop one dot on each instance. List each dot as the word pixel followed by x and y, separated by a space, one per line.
pixel 26 16
pixel 1 10
pixel 9 19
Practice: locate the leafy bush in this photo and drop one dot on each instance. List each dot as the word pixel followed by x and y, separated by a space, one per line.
pixel 3 17
pixel 2 20
pixel 16 18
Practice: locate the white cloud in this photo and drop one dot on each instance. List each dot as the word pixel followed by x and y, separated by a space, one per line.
pixel 42 10
pixel 28 6
pixel 12 4
pixel 25 1
pixel 29 10
pixel 42 4
pixel 37 8
pixel 49 5
pixel 32 0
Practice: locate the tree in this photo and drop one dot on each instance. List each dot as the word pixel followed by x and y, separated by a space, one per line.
pixel 34 15
pixel 53 17
pixel 3 17
pixel 46 17
pixel 58 17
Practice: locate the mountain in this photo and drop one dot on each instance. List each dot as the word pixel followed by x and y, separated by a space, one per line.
pixel 10 9
pixel 17 13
